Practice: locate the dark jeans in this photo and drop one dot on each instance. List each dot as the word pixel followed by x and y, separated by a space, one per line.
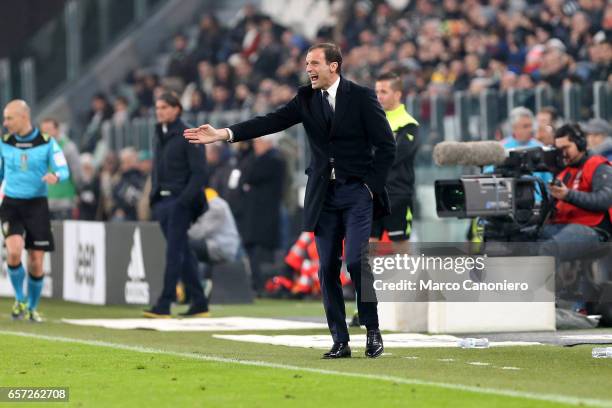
pixel 175 220
pixel 346 215
pixel 567 242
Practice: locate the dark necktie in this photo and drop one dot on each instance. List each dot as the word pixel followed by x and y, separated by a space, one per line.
pixel 328 112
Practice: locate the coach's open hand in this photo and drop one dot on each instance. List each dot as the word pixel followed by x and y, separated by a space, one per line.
pixel 205 134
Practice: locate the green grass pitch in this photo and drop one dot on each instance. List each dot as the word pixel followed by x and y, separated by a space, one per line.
pixel 116 368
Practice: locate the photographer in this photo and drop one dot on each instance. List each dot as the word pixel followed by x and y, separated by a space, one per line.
pixel 583 194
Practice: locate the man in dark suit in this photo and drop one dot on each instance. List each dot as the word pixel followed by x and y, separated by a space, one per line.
pixel 178 177
pixel 352 150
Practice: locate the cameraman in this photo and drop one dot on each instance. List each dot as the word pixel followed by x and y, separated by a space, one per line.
pixel 583 194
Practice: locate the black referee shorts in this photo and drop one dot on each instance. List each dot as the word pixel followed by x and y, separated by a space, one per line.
pixel 29 216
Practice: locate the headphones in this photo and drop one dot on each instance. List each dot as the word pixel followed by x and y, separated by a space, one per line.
pixel 577 135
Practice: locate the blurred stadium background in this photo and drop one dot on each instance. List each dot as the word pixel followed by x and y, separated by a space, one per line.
pixel 95 66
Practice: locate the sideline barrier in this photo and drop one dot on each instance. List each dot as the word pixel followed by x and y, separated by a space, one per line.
pixel 117 264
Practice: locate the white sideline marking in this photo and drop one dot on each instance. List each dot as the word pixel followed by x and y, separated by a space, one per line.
pixel 409 381
pixel 392 340
pixel 510 368
pixel 235 323
pixel 478 363
pixel 588 337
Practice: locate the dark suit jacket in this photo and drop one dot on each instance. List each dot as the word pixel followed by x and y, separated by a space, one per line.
pixel 179 167
pixel 360 141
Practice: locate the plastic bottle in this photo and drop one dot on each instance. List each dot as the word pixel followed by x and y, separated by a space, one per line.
pixel 602 352
pixel 471 342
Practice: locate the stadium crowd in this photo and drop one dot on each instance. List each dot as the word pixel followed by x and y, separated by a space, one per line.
pixel 438 47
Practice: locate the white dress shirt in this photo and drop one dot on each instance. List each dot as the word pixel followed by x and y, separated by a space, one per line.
pixel 333 91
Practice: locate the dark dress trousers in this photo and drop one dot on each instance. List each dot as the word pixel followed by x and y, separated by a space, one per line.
pixel 359 145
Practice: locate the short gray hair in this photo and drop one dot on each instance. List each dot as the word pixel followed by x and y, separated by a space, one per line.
pixel 519 112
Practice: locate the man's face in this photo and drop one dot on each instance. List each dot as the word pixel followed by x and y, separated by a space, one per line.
pixel 571 154
pixel 522 130
pixel 543 119
pixel 49 128
pixel 165 113
pixel 321 73
pixel 388 98
pixel 15 121
pixel 595 139
pixel 545 133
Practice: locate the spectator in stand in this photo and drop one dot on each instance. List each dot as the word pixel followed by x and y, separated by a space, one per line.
pixel 122 112
pixel 89 191
pixel 224 75
pixel 599 137
pixel 210 39
pixel 522 136
pixel 244 73
pixel 108 176
pixel 268 58
pixel 144 88
pixel 579 35
pixel 145 162
pixel 63 195
pixel 447 43
pixel 546 122
pixel 358 22
pixel 129 187
pixel 206 77
pixel 239 162
pixel 600 54
pixel 244 97
pixel 197 103
pixel 221 100
pixel 220 167
pixel 146 167
pixel 555 64
pixel 181 64
pixel 263 193
pixel 101 111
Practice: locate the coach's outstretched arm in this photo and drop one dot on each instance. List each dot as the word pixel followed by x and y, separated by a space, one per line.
pixel 273 122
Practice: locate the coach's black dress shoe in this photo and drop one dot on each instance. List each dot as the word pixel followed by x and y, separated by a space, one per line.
pixel 338 350
pixel 196 311
pixel 157 312
pixel 374 344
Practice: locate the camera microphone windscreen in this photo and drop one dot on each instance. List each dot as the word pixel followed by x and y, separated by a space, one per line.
pixel 469 153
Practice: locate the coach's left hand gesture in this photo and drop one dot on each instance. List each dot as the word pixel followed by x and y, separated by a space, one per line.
pixel 50 178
